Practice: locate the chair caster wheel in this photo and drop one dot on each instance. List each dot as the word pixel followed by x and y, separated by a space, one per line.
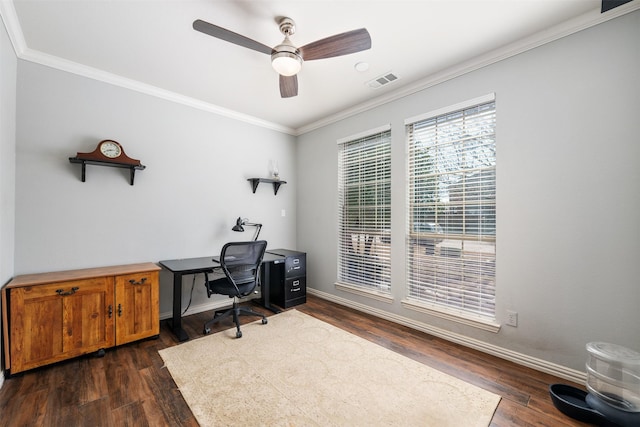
pixel 207 331
pixel 264 321
pixel 238 334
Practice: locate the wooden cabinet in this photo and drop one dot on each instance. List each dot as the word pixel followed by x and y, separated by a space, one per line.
pixel 51 317
pixel 137 306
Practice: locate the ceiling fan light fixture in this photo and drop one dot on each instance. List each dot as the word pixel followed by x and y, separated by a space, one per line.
pixel 286 63
pixel 287 59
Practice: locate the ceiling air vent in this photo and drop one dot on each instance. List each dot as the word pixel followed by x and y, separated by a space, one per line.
pixel 382 80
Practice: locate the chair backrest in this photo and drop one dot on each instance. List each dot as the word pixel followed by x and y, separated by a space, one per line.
pixel 241 261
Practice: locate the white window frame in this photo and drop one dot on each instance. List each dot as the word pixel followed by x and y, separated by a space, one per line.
pixel 450 257
pixel 364 230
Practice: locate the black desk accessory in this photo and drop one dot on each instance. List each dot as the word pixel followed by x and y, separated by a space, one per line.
pixel 241 222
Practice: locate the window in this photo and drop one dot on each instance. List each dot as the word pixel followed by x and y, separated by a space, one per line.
pixel 451 230
pixel 364 206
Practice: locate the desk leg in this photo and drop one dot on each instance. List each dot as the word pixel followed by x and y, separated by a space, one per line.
pixel 176 323
pixel 266 289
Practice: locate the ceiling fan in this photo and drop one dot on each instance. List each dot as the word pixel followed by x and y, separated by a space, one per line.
pixel 287 59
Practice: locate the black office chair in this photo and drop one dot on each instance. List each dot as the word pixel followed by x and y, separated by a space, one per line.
pixel 240 262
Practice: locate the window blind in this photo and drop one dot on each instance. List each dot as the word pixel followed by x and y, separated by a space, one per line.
pixel 451 221
pixel 364 206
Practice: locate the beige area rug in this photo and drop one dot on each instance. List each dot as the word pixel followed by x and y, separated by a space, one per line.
pixel 299 371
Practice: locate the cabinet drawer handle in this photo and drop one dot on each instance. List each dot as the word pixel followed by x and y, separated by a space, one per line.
pixel 141 282
pixel 61 292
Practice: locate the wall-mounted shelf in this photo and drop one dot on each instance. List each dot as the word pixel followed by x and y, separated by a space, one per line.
pixel 276 183
pixel 107 153
pixel 84 163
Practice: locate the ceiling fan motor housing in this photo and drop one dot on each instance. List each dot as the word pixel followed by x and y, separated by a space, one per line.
pixel 287 26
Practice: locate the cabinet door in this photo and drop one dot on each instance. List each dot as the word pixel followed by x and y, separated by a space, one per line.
pixel 53 322
pixel 137 306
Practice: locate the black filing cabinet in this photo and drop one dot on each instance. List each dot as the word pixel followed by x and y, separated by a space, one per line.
pixel 288 279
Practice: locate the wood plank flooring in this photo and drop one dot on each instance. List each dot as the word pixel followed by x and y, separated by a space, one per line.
pixel 130 387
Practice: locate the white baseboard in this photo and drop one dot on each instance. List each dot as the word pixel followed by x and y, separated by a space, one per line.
pixel 503 353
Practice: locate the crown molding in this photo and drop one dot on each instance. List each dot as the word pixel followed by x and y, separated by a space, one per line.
pixel 11 23
pixel 14 30
pixel 135 85
pixel 587 20
pixel 549 35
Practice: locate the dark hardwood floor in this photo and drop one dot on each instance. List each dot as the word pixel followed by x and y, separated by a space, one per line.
pixel 130 387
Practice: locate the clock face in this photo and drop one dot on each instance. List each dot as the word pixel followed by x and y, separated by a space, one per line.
pixel 110 149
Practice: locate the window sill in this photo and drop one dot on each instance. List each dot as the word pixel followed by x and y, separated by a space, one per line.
pixel 452 315
pixel 369 293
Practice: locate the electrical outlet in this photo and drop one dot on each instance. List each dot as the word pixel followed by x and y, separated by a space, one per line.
pixel 512 318
pixel 283 212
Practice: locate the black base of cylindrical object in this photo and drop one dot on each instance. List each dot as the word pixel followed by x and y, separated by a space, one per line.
pixel 618 416
pixel 585 407
pixel 572 402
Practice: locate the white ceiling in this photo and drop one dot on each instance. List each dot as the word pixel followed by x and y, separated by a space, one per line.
pixel 151 42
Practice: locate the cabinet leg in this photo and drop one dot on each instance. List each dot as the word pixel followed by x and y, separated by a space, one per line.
pixel 100 353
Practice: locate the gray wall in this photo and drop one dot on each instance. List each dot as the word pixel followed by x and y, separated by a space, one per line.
pixel 182 205
pixel 7 154
pixel 8 69
pixel 568 239
pixel 568 186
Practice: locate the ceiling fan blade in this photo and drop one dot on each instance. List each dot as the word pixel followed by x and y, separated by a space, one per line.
pixel 230 36
pixel 288 86
pixel 340 44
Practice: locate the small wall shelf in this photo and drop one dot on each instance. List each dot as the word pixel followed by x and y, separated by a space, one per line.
pixel 276 183
pixel 129 166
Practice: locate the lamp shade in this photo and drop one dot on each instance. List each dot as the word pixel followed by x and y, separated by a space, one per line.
pixel 239 225
pixel 240 222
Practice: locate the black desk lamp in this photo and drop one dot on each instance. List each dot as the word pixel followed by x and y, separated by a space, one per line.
pixel 243 221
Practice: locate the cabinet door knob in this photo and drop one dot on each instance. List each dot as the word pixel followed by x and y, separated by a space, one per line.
pixel 119 310
pixel 61 292
pixel 141 282
pixel 110 311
